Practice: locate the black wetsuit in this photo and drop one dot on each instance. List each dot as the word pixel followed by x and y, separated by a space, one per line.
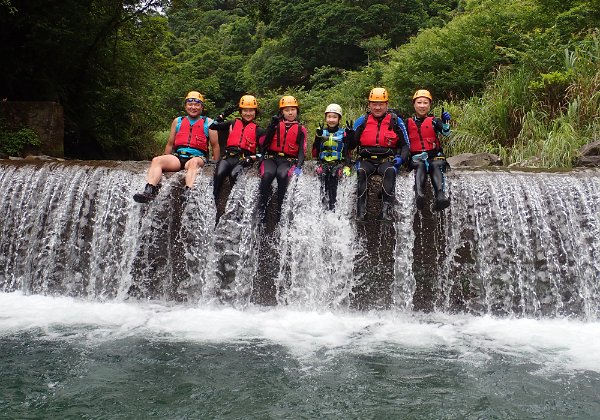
pixel 234 159
pixel 378 159
pixel 433 164
pixel 277 165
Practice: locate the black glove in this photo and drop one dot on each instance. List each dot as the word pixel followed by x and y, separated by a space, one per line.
pixel 320 130
pixel 220 118
pixel 275 120
pixel 228 111
pixel 350 125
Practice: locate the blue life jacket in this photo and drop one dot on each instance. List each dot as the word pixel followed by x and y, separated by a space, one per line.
pixel 332 145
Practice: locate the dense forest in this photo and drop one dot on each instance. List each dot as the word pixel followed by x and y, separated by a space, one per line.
pixel 520 77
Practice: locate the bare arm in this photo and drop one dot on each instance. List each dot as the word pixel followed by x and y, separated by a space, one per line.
pixel 213 137
pixel 171 140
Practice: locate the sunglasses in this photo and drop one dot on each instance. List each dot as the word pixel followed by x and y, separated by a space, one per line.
pixel 194 100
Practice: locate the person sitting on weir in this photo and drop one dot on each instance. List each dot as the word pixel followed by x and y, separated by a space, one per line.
pixel 426 152
pixel 383 148
pixel 187 148
pixel 331 150
pixel 242 142
pixel 283 153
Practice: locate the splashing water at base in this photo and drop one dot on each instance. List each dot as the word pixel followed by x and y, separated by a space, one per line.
pixel 67 357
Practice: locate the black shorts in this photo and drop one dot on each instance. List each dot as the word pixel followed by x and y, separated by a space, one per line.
pixel 183 158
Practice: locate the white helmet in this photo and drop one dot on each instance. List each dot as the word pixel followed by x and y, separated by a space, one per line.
pixel 335 108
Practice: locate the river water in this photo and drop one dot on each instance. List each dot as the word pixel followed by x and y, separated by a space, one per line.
pixel 109 309
pixel 62 357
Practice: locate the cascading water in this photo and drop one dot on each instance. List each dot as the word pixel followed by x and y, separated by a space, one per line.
pixel 522 244
pixel 512 243
pixel 183 308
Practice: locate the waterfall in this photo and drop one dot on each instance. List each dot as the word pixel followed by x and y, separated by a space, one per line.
pixel 511 244
pixel 523 243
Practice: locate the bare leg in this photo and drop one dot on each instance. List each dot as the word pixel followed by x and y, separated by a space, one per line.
pixel 192 166
pixel 160 164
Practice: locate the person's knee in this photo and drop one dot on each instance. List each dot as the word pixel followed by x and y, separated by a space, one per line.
pixel 361 174
pixel 418 165
pixel 389 172
pixel 439 165
pixel 195 164
pixel 158 161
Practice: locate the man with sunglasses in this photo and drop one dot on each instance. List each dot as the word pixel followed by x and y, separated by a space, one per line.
pixel 187 148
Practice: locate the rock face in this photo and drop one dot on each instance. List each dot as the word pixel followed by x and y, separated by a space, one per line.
pixel 474 160
pixel 45 118
pixel 589 155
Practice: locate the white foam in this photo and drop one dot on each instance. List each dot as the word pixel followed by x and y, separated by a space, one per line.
pixel 553 344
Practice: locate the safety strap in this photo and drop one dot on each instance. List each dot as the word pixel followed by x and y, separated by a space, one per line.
pixel 424 156
pixel 330 155
pixel 189 152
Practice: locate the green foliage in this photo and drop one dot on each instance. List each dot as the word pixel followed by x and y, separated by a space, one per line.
pixel 375 47
pixel 120 69
pixel 98 59
pixel 550 89
pixel 272 68
pixel 455 61
pixel 14 142
pixel 325 77
pixel 449 64
pixel 518 116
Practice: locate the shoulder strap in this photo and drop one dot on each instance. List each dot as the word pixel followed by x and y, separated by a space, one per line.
pixel 299 135
pixel 207 123
pixel 179 119
pixel 393 122
pixel 360 128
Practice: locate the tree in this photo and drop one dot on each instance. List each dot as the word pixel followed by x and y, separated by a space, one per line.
pixel 93 57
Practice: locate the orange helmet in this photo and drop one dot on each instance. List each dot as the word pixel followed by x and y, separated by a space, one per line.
pixel 378 94
pixel 194 96
pixel 422 93
pixel 288 101
pixel 249 102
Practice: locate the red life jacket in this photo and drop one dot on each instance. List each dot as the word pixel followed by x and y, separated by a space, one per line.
pixel 379 133
pixel 422 138
pixel 191 135
pixel 242 137
pixel 288 142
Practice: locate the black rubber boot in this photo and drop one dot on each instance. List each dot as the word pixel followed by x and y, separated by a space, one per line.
pixel 149 193
pixel 420 188
pixel 441 201
pixel 387 210
pixel 420 199
pixel 361 207
pixel 187 193
pixel 438 182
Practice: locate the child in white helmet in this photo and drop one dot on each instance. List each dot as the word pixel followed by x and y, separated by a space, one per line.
pixel 331 150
